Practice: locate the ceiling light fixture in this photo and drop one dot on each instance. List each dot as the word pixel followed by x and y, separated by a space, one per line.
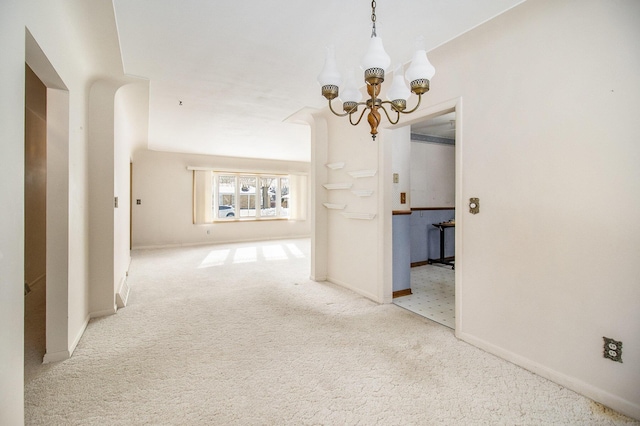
pixel 374 63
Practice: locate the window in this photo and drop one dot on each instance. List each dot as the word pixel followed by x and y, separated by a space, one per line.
pixel 226 198
pixel 247 197
pixel 284 197
pixel 230 196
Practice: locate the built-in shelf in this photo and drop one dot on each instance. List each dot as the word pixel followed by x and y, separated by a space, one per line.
pixel 363 173
pixel 334 206
pixel 337 185
pixel 362 192
pixel 362 216
pixel 335 166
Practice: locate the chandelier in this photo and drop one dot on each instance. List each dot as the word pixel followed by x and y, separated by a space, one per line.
pixel 375 62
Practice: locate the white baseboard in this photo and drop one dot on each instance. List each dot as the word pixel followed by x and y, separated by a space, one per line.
pixel 56 356
pixel 211 242
pixel 76 340
pixel 615 402
pixel 62 355
pixel 354 289
pixel 104 313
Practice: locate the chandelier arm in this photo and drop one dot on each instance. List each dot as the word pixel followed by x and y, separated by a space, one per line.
pixel 338 114
pixel 387 113
pixel 359 119
pixel 414 108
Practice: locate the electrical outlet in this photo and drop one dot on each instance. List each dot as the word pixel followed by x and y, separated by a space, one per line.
pixel 403 198
pixel 612 349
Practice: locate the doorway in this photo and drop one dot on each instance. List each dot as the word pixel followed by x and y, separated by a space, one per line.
pixel 433 218
pixel 52 119
pixel 35 217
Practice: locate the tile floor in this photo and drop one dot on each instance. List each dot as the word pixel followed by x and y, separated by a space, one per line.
pixel 433 288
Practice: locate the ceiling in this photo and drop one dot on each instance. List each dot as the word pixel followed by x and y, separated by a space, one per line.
pixel 224 75
pixel 442 126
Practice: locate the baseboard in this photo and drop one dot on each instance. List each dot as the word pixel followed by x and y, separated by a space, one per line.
pixel 79 335
pixel 354 289
pixel 56 357
pixel 426 262
pixel 104 313
pixel 612 401
pixel 400 293
pixel 209 243
pixel 62 355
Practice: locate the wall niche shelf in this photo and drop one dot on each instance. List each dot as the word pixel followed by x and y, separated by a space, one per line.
pixel 363 173
pixel 335 166
pixel 331 206
pixel 362 192
pixel 337 185
pixel 361 216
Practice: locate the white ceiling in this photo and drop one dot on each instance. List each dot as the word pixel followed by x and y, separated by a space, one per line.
pixel 241 68
pixel 442 126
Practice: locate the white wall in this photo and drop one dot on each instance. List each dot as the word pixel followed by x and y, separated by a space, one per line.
pixel 77 45
pixel 548 143
pixel 401 164
pixel 101 197
pixel 12 219
pixel 131 110
pixel 165 187
pixel 432 175
pixel 360 239
pixel 540 153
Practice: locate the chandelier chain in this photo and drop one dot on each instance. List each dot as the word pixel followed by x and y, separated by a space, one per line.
pixel 373 18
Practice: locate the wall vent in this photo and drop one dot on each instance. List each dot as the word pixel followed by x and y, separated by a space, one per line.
pixel 123 294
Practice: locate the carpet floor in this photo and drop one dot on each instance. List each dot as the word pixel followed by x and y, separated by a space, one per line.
pixel 238 334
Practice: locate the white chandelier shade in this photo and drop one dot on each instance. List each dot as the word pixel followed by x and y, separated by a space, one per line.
pixel 376 57
pixel 420 67
pixel 351 92
pixel 398 89
pixel 330 74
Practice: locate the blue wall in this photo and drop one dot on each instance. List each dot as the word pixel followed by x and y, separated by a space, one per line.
pixel 401 252
pixel 425 238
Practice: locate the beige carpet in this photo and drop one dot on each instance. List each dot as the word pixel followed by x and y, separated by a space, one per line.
pixel 238 334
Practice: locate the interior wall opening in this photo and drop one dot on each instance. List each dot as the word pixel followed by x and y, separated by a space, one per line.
pixel 35 217
pixel 430 228
pixel 53 172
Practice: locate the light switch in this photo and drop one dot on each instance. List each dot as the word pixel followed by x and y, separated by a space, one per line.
pixel 474 205
pixel 396 178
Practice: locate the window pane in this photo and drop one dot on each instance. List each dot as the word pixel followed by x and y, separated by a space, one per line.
pixel 247 201
pixel 284 197
pixel 226 197
pixel 268 196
